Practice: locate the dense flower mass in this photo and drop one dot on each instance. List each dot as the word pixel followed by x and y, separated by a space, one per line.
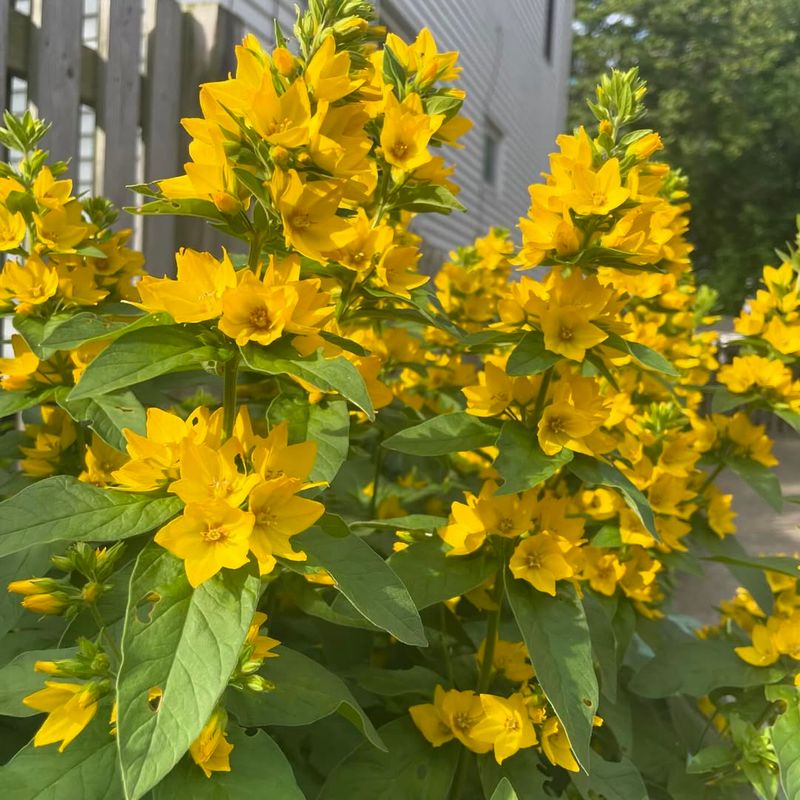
pixel 462 504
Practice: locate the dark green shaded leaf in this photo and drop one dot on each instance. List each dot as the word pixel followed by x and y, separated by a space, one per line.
pixel 18 679
pixel 521 771
pixel 521 462
pixel 449 433
pixel 760 478
pixel 411 522
pixel 785 735
pixel 107 415
pixel 530 357
pixel 556 634
pixel 611 780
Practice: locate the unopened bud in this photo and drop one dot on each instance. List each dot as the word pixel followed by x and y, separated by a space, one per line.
pixel 55 603
pixel 92 591
pixel 255 683
pixel 284 61
pixel 605 127
pixel 249 667
pixel 33 586
pixel 63 563
pixel 226 202
pixel 280 156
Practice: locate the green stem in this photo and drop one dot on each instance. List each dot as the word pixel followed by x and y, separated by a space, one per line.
pixel 457 787
pixel 492 627
pixel 255 252
pixel 112 645
pixel 448 663
pixel 229 397
pixel 542 396
pixel 376 479
pixel 710 479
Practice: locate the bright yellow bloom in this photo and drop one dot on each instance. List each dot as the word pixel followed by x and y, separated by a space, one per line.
pixel 62 228
pixel 262 645
pixel 568 331
pixel 328 72
pixel 196 294
pixel 555 745
pixel 597 192
pixel 273 456
pixel 423 60
pixel 784 338
pixel 279 515
pixel 207 537
pixel 308 210
pixel 510 658
pixel 30 284
pixel 12 229
pixel 397 270
pixel 19 372
pixel 720 513
pixel 506 725
pixel 256 312
pixel 540 561
pixel 407 130
pixel 211 750
pixel 70 708
pixel 763 651
pixel 430 720
pixel 602 569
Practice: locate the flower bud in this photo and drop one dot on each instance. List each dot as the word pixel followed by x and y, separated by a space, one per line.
pixel 55 603
pixel 33 586
pixel 605 127
pixel 226 202
pixel 62 563
pixel 280 156
pixel 91 591
pixel 284 61
pixel 646 146
pixel 255 683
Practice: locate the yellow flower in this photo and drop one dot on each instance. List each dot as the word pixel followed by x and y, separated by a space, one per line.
pixel 19 372
pixel 70 708
pixel 562 425
pixel 196 294
pixel 262 645
pixel 207 537
pixel 278 515
pixel 211 750
pixel 568 331
pixel 597 192
pixel 328 72
pixel 540 561
pixel 555 745
pixel 784 338
pixel 407 130
pixel 62 228
pixel 308 211
pixel 720 513
pixel 506 725
pixel 423 60
pixel 510 658
pixel 30 284
pixel 12 229
pixel 602 569
pixel 101 460
pixel 763 651
pixel 256 312
pixel 645 146
pixel 430 720
pixel 274 457
pixel 397 270
pixel 461 712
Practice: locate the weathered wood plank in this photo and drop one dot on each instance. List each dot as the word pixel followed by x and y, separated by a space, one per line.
pixel 55 62
pixel 161 111
pixel 118 98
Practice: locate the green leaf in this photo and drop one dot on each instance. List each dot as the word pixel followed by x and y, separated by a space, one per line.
pixel 106 414
pixel 24 564
pixel 556 634
pixel 185 644
pixel 185 207
pixel 143 354
pixel 427 198
pixel 398 682
pixel 644 355
pixel 698 667
pixel 410 769
pixel 504 790
pixel 785 735
pixel 723 400
pixel 393 72
pixel 14 402
pixel 760 478
pixel 791 418
pixel 327 374
pixel 785 565
pixel 530 357
pixel 255 761
pixel 521 462
pixel 599 473
pixel 432 577
pixel 78 329
pixel 604 643
pixel 426 523
pixel 329 426
pixel 63 509
pixel 521 771
pixel 367 581
pixel 18 679
pixel 304 692
pixel 86 769
pixel 710 759
pixel 611 780
pixel 448 433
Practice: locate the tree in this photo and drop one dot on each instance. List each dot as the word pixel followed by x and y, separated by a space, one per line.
pixel 723 78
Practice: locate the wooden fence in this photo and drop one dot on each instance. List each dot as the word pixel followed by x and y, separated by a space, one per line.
pixel 140 79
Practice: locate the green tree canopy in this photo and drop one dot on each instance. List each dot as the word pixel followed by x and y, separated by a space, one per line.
pixel 724 92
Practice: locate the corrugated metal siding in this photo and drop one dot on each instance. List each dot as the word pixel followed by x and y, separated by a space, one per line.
pixel 508 81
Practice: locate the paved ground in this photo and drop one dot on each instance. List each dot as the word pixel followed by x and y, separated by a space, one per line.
pixel 761 530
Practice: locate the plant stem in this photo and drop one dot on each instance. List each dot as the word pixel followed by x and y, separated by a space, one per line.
pixel 711 478
pixel 112 645
pixel 542 396
pixel 492 626
pixel 376 479
pixel 229 397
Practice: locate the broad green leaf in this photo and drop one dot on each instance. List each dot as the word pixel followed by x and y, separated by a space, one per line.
pixel 611 780
pixel 504 790
pixel 78 329
pixel 599 473
pixel 411 522
pixel 760 478
pixel 329 426
pixel 367 581
pixel 644 355
pixel 326 374
pixel 791 418
pixel 86 769
pixel 557 637
pixel 710 759
pixel 393 72
pixel 14 402
pixel 107 415
pixel 256 763
pixel 521 771
pixel 785 735
pixel 448 433
pixel 31 328
pixel 185 207
pixel 698 667
pixel 521 462
pixel 432 577
pixel 397 682
pixel 530 357
pixel 24 564
pixel 304 692
pixel 723 400
pixel 410 768
pixel 604 643
pixel 785 565
pixel 18 679
pixel 143 354
pixel 63 509
pixel 186 644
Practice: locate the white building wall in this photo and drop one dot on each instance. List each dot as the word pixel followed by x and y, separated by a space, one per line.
pixel 512 87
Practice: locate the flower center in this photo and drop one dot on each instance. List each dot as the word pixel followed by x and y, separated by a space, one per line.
pixel 556 425
pixel 216 534
pixel 534 561
pixel 565 334
pixel 259 318
pixel 462 721
pixel 266 518
pixel 301 221
pixel 598 198
pixel 399 149
pixel 505 525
